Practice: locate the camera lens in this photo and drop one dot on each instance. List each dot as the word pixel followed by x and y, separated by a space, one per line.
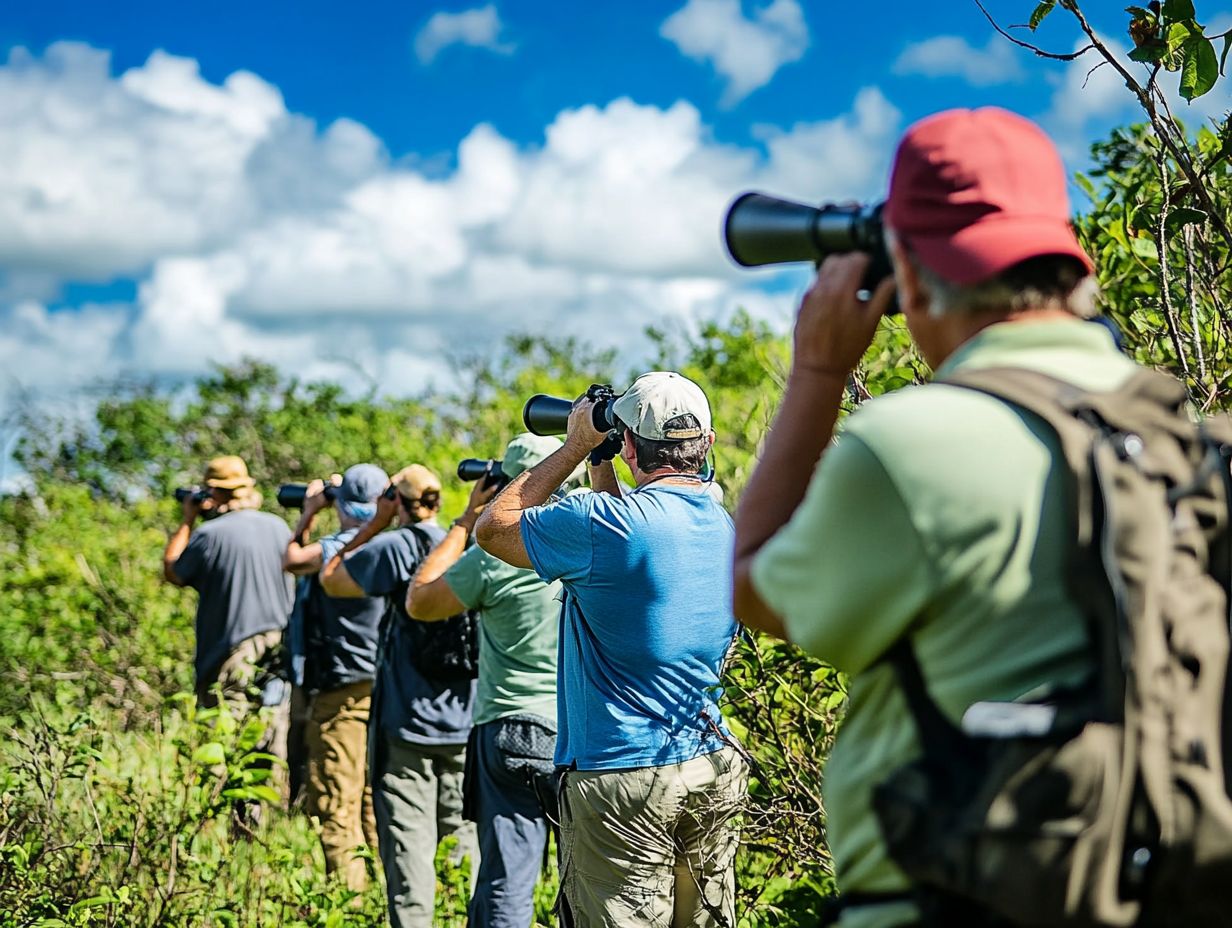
pixel 292 495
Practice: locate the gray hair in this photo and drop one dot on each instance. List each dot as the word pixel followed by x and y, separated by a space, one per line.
pixel 1042 282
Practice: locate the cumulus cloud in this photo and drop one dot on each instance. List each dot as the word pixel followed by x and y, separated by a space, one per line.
pixel 103 176
pixel 746 52
pixel 310 248
pixel 478 28
pixel 954 56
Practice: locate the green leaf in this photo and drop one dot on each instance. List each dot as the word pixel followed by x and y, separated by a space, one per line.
pixel 1201 68
pixel 1148 54
pixel 1176 10
pixel 1042 9
pixel 1185 215
pixel 210 754
pixel 1144 248
pixel 1087 187
pixel 1223 58
pixel 93 902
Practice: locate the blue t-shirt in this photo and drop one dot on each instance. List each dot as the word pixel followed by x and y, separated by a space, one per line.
pixel 646 622
pixel 408 705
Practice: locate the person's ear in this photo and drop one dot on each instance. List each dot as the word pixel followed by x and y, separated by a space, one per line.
pixel 710 439
pixel 913 298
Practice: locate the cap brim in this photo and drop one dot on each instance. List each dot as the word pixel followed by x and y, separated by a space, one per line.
pixel 234 483
pixel 987 248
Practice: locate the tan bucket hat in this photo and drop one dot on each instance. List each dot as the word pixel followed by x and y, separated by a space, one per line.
pixel 228 472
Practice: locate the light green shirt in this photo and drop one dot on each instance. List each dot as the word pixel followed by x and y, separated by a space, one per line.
pixel 518 620
pixel 939 511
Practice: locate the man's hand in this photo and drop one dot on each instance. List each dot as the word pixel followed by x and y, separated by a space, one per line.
pixel 581 434
pixel 387 509
pixel 191 508
pixel 834 327
pixel 481 494
pixel 314 495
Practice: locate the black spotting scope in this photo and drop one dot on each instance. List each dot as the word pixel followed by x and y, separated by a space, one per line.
pixel 486 469
pixel 292 495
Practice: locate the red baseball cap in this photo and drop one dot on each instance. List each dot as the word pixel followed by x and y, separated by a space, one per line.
pixel 974 192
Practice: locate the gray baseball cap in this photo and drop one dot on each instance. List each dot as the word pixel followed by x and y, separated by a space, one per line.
pixel 361 485
pixel 664 406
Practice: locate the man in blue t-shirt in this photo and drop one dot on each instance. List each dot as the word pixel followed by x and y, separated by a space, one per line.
pixel 420 723
pixel 653 778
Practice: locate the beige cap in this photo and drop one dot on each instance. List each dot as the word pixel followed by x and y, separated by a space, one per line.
pixel 664 406
pixel 416 480
pixel 228 472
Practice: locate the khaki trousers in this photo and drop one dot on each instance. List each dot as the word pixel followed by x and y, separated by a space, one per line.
pixel 653 846
pixel 338 791
pixel 238 675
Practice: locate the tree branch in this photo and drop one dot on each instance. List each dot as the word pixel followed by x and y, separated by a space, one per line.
pixel 1034 49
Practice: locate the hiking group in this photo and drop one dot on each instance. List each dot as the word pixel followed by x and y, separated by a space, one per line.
pixel 1022 566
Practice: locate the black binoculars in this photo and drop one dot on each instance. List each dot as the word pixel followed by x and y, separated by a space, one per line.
pixel 198 494
pixel 486 469
pixel 292 495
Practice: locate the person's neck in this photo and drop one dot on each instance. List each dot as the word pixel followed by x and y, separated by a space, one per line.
pixel 663 475
pixel 958 330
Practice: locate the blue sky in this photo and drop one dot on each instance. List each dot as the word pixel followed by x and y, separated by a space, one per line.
pixel 360 192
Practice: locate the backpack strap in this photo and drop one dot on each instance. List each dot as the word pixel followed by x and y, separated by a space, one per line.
pixel 1086 425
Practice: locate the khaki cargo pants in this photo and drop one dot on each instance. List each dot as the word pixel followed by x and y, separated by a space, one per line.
pixel 652 846
pixel 338 791
pixel 238 676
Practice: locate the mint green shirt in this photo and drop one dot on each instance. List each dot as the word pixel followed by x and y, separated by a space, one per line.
pixel 939 511
pixel 518 620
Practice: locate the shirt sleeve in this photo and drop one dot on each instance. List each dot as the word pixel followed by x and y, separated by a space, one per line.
pixel 848 573
pixel 557 537
pixel 468 579
pixel 380 565
pixel 332 544
pixel 190 566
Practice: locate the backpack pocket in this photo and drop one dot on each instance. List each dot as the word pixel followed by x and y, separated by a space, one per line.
pixel 1022 826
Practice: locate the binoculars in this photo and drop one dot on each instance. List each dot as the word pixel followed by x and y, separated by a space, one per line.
pixel 198 494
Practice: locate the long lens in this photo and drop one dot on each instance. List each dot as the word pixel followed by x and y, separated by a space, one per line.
pixel 763 230
pixel 292 495
pixel 473 469
pixel 547 415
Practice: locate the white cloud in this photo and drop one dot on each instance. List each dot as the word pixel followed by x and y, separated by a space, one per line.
pixel 251 232
pixel 747 52
pixel 953 56
pixel 102 176
pixel 477 28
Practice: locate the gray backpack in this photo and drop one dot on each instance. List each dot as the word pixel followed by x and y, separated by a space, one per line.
pixel 1108 805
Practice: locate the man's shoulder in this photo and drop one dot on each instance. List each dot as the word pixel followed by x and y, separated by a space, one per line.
pixel 932 413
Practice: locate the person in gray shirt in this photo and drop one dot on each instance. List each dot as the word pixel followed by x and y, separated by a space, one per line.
pixel 339 644
pixel 234 562
pixel 420 721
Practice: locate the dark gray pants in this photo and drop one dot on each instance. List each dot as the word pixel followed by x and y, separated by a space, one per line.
pixel 508 770
pixel 417 797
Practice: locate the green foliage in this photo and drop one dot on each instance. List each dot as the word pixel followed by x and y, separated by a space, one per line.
pixel 1174 312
